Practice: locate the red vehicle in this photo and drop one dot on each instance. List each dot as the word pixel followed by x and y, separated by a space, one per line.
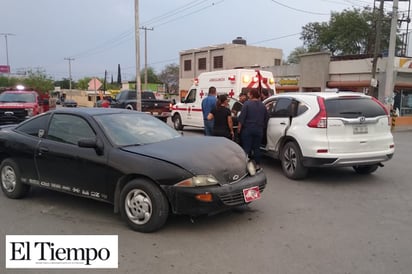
pixel 19 104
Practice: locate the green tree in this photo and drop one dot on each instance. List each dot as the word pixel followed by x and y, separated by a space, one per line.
pixel 347 32
pixel 170 77
pixel 293 57
pixel 83 83
pixel 151 76
pixel 65 83
pixel 8 81
pixel 39 81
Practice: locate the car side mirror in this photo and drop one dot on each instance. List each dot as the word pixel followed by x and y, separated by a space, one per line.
pixel 92 143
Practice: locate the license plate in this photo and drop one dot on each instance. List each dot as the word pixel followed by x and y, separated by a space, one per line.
pixel 251 194
pixel 360 129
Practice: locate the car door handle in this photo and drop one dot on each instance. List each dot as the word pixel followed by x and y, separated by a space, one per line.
pixel 43 150
pixel 283 123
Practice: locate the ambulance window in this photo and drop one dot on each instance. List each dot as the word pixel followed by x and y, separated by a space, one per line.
pixel 191 97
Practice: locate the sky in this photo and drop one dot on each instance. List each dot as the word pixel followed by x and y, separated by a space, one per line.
pixel 98 35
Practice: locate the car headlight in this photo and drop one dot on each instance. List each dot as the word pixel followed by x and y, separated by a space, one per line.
pixel 251 168
pixel 200 180
pixel 29 112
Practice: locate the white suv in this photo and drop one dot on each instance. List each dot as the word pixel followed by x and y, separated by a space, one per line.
pixel 327 129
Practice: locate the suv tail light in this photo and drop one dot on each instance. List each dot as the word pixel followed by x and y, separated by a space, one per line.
pixel 384 108
pixel 320 119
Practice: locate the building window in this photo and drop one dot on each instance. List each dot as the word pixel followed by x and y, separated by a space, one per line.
pixel 277 62
pixel 188 65
pixel 202 64
pixel 218 62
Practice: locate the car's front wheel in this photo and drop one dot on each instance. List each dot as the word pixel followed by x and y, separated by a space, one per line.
pixel 11 183
pixel 366 169
pixel 143 206
pixel 291 160
pixel 177 122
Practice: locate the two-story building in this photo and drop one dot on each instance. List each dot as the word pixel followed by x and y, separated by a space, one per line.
pixel 225 56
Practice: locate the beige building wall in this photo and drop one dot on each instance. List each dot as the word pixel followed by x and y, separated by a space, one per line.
pixel 314 71
pixel 82 97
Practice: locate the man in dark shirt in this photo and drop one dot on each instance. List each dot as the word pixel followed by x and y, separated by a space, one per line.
pixel 252 123
pixel 237 106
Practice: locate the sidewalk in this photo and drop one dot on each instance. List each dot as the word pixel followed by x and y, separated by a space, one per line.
pixel 401 128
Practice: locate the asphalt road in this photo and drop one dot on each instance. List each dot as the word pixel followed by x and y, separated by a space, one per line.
pixel 333 222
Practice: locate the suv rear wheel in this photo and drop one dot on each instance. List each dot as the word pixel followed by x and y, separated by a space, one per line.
pixel 291 159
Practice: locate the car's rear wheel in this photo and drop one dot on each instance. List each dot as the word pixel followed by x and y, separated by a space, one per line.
pixel 143 206
pixel 177 122
pixel 366 169
pixel 129 107
pixel 291 159
pixel 11 183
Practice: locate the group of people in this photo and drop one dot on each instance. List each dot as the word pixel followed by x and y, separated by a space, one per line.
pixel 252 120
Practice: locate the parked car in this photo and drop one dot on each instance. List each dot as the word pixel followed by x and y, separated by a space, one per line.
pixel 20 103
pixel 149 103
pixel 327 129
pixel 69 103
pixel 145 168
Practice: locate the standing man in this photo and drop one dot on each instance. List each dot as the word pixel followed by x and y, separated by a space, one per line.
pixel 208 104
pixel 252 123
pixel 397 101
pixel 237 106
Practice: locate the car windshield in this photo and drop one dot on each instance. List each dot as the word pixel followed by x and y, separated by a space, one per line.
pixel 126 129
pixel 17 97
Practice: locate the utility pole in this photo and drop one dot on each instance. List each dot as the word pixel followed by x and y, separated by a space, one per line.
pixel 389 83
pixel 137 45
pixel 70 74
pixel 145 54
pixel 7 48
pixel 374 82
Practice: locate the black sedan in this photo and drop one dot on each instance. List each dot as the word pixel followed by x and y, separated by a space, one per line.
pixel 69 103
pixel 146 169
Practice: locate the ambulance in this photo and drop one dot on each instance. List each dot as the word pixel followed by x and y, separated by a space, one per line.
pixel 232 82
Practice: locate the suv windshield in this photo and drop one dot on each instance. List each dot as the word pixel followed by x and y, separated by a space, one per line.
pixel 17 97
pixel 353 107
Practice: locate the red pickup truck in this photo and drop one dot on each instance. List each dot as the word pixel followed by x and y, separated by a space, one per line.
pixel 19 104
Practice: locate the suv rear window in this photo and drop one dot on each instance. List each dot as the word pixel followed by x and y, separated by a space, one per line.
pixel 353 108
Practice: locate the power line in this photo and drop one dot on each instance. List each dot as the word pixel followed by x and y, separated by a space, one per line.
pixel 174 12
pixel 126 35
pixel 295 9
